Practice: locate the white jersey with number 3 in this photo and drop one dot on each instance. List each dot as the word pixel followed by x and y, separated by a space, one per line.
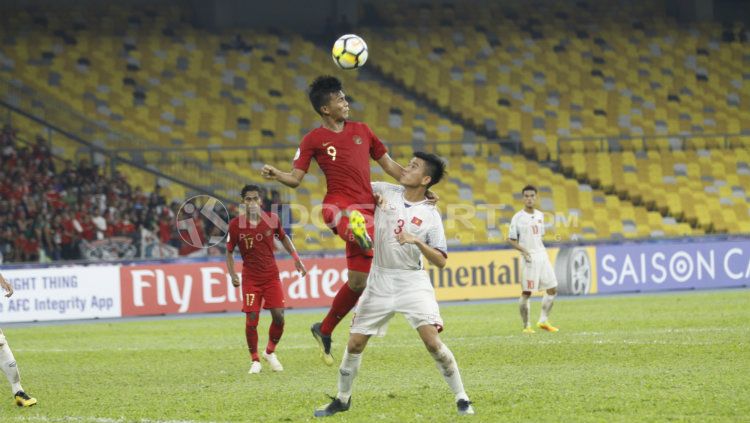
pixel 528 230
pixel 420 219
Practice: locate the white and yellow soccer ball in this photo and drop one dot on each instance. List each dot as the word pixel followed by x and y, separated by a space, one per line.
pixel 349 51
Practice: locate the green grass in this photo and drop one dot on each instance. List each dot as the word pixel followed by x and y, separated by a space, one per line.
pixel 677 357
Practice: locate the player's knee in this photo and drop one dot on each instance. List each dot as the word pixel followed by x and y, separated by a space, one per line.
pixel 355 346
pixel 552 291
pixel 252 319
pixel 357 283
pixel 278 320
pixel 433 344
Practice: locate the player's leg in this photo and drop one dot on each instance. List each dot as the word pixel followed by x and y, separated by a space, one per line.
pixel 358 264
pixel 446 364
pixel 351 224
pixel 549 284
pixel 273 298
pixel 350 365
pixel 524 307
pixel 251 336
pixel 347 372
pixel 345 299
pixel 529 283
pixel 548 301
pixel 252 296
pixel 10 368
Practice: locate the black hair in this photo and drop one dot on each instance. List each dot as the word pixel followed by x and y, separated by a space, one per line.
pixel 250 187
pixel 528 188
pixel 434 164
pixel 321 89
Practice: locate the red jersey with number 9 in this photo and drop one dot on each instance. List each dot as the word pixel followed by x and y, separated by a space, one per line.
pixel 344 158
pixel 256 246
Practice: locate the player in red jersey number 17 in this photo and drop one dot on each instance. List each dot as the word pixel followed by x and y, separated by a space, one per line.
pixel 343 150
pixel 253 231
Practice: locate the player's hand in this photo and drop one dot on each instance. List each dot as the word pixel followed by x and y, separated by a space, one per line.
pixel 379 200
pixel 300 267
pixel 269 172
pixel 526 256
pixel 235 280
pixel 432 198
pixel 406 238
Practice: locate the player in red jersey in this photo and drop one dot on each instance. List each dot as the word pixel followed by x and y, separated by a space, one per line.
pixel 253 231
pixel 343 150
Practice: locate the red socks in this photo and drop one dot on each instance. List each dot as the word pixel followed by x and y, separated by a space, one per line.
pixel 343 302
pixel 274 336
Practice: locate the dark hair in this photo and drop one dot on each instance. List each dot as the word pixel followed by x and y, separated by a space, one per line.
pixel 435 166
pixel 528 188
pixel 321 89
pixel 250 187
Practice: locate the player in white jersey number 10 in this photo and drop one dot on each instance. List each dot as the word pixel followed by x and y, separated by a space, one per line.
pixel 525 235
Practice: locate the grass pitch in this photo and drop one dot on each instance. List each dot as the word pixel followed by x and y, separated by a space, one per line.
pixel 666 357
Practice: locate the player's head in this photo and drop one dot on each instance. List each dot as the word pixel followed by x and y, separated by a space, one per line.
pixel 424 169
pixel 328 99
pixel 251 198
pixel 529 196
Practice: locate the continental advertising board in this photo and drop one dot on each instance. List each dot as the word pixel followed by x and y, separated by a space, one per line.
pixel 497 273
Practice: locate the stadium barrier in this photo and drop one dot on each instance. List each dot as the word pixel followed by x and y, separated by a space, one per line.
pixel 184 286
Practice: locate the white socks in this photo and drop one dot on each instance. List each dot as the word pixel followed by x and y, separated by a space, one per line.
pixel 547 302
pixel 347 372
pixel 8 363
pixel 524 306
pixel 446 363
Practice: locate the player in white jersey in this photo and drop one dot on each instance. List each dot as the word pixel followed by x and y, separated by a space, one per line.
pixel 525 235
pixel 8 362
pixel 407 227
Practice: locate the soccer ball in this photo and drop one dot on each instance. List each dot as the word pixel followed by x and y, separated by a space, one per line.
pixel 349 51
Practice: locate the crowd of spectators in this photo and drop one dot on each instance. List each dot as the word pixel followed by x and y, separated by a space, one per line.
pixel 50 208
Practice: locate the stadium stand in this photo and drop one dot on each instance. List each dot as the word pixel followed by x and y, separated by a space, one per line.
pixel 705 187
pixel 546 78
pixel 232 101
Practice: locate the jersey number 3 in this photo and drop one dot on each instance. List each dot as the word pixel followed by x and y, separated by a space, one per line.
pixel 400 227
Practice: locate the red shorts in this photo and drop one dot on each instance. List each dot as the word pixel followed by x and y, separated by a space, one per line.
pixel 271 294
pixel 357 259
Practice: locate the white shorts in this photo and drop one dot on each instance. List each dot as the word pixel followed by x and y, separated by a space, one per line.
pixel 538 274
pixel 391 291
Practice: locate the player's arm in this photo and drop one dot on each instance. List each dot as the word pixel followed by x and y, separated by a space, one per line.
pixel 433 255
pixel 390 166
pixel 8 288
pixel 231 242
pixel 514 243
pixel 291 179
pixel 394 169
pixel 230 267
pixel 289 247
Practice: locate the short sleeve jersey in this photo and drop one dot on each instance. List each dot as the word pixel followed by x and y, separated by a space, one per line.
pixel 344 157
pixel 420 219
pixel 256 245
pixel 528 230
